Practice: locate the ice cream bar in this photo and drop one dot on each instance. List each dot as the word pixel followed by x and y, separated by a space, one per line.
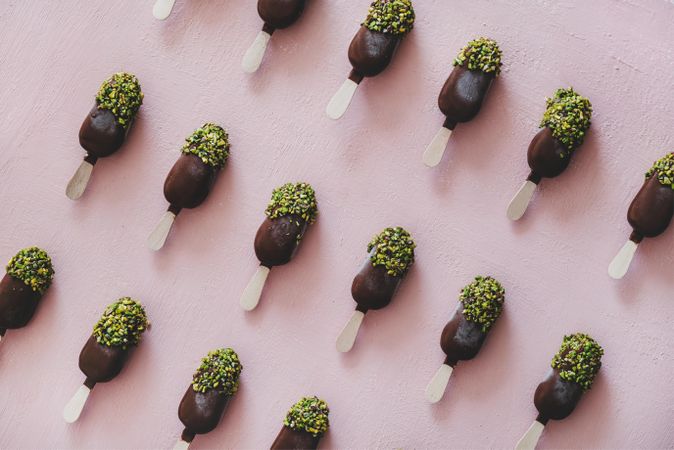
pixel 276 14
pixel 107 125
pixel 304 425
pixel 649 213
pixel 115 336
pixel 480 304
pixel 564 126
pixel 391 254
pixel 190 180
pixel 214 383
pixel 292 208
pixel 373 47
pixel 574 369
pixel 28 276
pixel 461 98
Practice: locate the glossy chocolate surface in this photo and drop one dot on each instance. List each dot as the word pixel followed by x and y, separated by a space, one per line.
pixel 100 134
pixel 17 302
pixel 289 439
pixel 373 287
pixel 276 240
pixel 651 210
pixel 201 412
pixel 544 156
pixel 556 398
pixel 278 14
pixel 371 52
pixel 462 95
pixel 101 363
pixel 461 339
pixel 189 182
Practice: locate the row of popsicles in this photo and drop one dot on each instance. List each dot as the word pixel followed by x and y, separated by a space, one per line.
pixel 119 330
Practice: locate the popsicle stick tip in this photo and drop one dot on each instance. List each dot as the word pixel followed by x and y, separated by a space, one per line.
pixel 438 384
pixel 80 180
pixel 251 295
pixel 349 333
pixel 158 237
pixel 341 100
pixel 436 149
pixel 531 437
pixel 162 9
pixel 621 263
pixel 181 445
pixel 74 407
pixel 520 202
pixel 255 53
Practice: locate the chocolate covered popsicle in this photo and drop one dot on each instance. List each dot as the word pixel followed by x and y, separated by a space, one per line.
pixel 304 425
pixel 107 125
pixel 162 9
pixel 574 368
pixel 277 14
pixel 28 276
pixel 191 179
pixel 214 383
pixel 462 95
pixel 115 336
pixel 373 47
pixel 564 125
pixel 291 210
pixel 391 254
pixel 480 304
pixel 649 213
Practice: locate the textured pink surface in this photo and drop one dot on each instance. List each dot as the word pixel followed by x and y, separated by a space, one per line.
pixel 368 174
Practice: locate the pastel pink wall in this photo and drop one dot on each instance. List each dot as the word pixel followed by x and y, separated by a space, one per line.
pixel 368 174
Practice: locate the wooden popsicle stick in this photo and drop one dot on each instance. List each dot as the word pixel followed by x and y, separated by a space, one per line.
pixel 162 9
pixel 181 445
pixel 253 56
pixel 341 100
pixel 436 388
pixel 433 153
pixel 518 205
pixel 74 407
pixel 348 335
pixel 158 237
pixel 79 182
pixel 531 437
pixel 251 295
pixel 618 267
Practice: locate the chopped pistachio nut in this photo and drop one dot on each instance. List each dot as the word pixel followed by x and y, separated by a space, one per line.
pixel 298 199
pixel 310 415
pixel 121 324
pixel 121 95
pixel 483 301
pixel 394 250
pixel 481 54
pixel 578 359
pixel 568 115
pixel 210 143
pixel 390 16
pixel 219 370
pixel 32 266
pixel 665 170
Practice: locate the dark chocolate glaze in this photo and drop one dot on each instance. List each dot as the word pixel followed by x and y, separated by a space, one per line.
pixel 556 398
pixel 276 240
pixel 461 339
pixel 17 303
pixel 651 210
pixel 101 363
pixel 100 134
pixel 462 95
pixel 373 287
pixel 371 52
pixel 544 156
pixel 289 439
pixel 279 14
pixel 201 412
pixel 189 182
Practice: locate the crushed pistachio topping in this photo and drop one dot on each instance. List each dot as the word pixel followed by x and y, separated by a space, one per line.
pixel 219 370
pixel 121 324
pixel 481 54
pixel 309 414
pixel 210 143
pixel 483 301
pixel 390 16
pixel 578 359
pixel 121 95
pixel 568 115
pixel 32 266
pixel 665 170
pixel 393 249
pixel 297 199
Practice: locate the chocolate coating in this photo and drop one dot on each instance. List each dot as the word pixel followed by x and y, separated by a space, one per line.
pixel 289 439
pixel 276 240
pixel 544 156
pixel 556 398
pixel 371 52
pixel 201 412
pixel 373 287
pixel 463 93
pixel 100 134
pixel 651 210
pixel 101 363
pixel 189 182
pixel 461 339
pixel 18 303
pixel 278 14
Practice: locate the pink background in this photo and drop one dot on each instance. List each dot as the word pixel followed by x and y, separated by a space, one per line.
pixel 368 174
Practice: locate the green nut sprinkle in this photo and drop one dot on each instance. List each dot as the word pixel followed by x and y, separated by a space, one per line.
pixel 121 95
pixel 394 250
pixel 481 54
pixel 121 324
pixel 578 359
pixel 665 170
pixel 568 115
pixel 390 16
pixel 309 414
pixel 219 370
pixel 210 143
pixel 298 199
pixel 483 301
pixel 32 266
